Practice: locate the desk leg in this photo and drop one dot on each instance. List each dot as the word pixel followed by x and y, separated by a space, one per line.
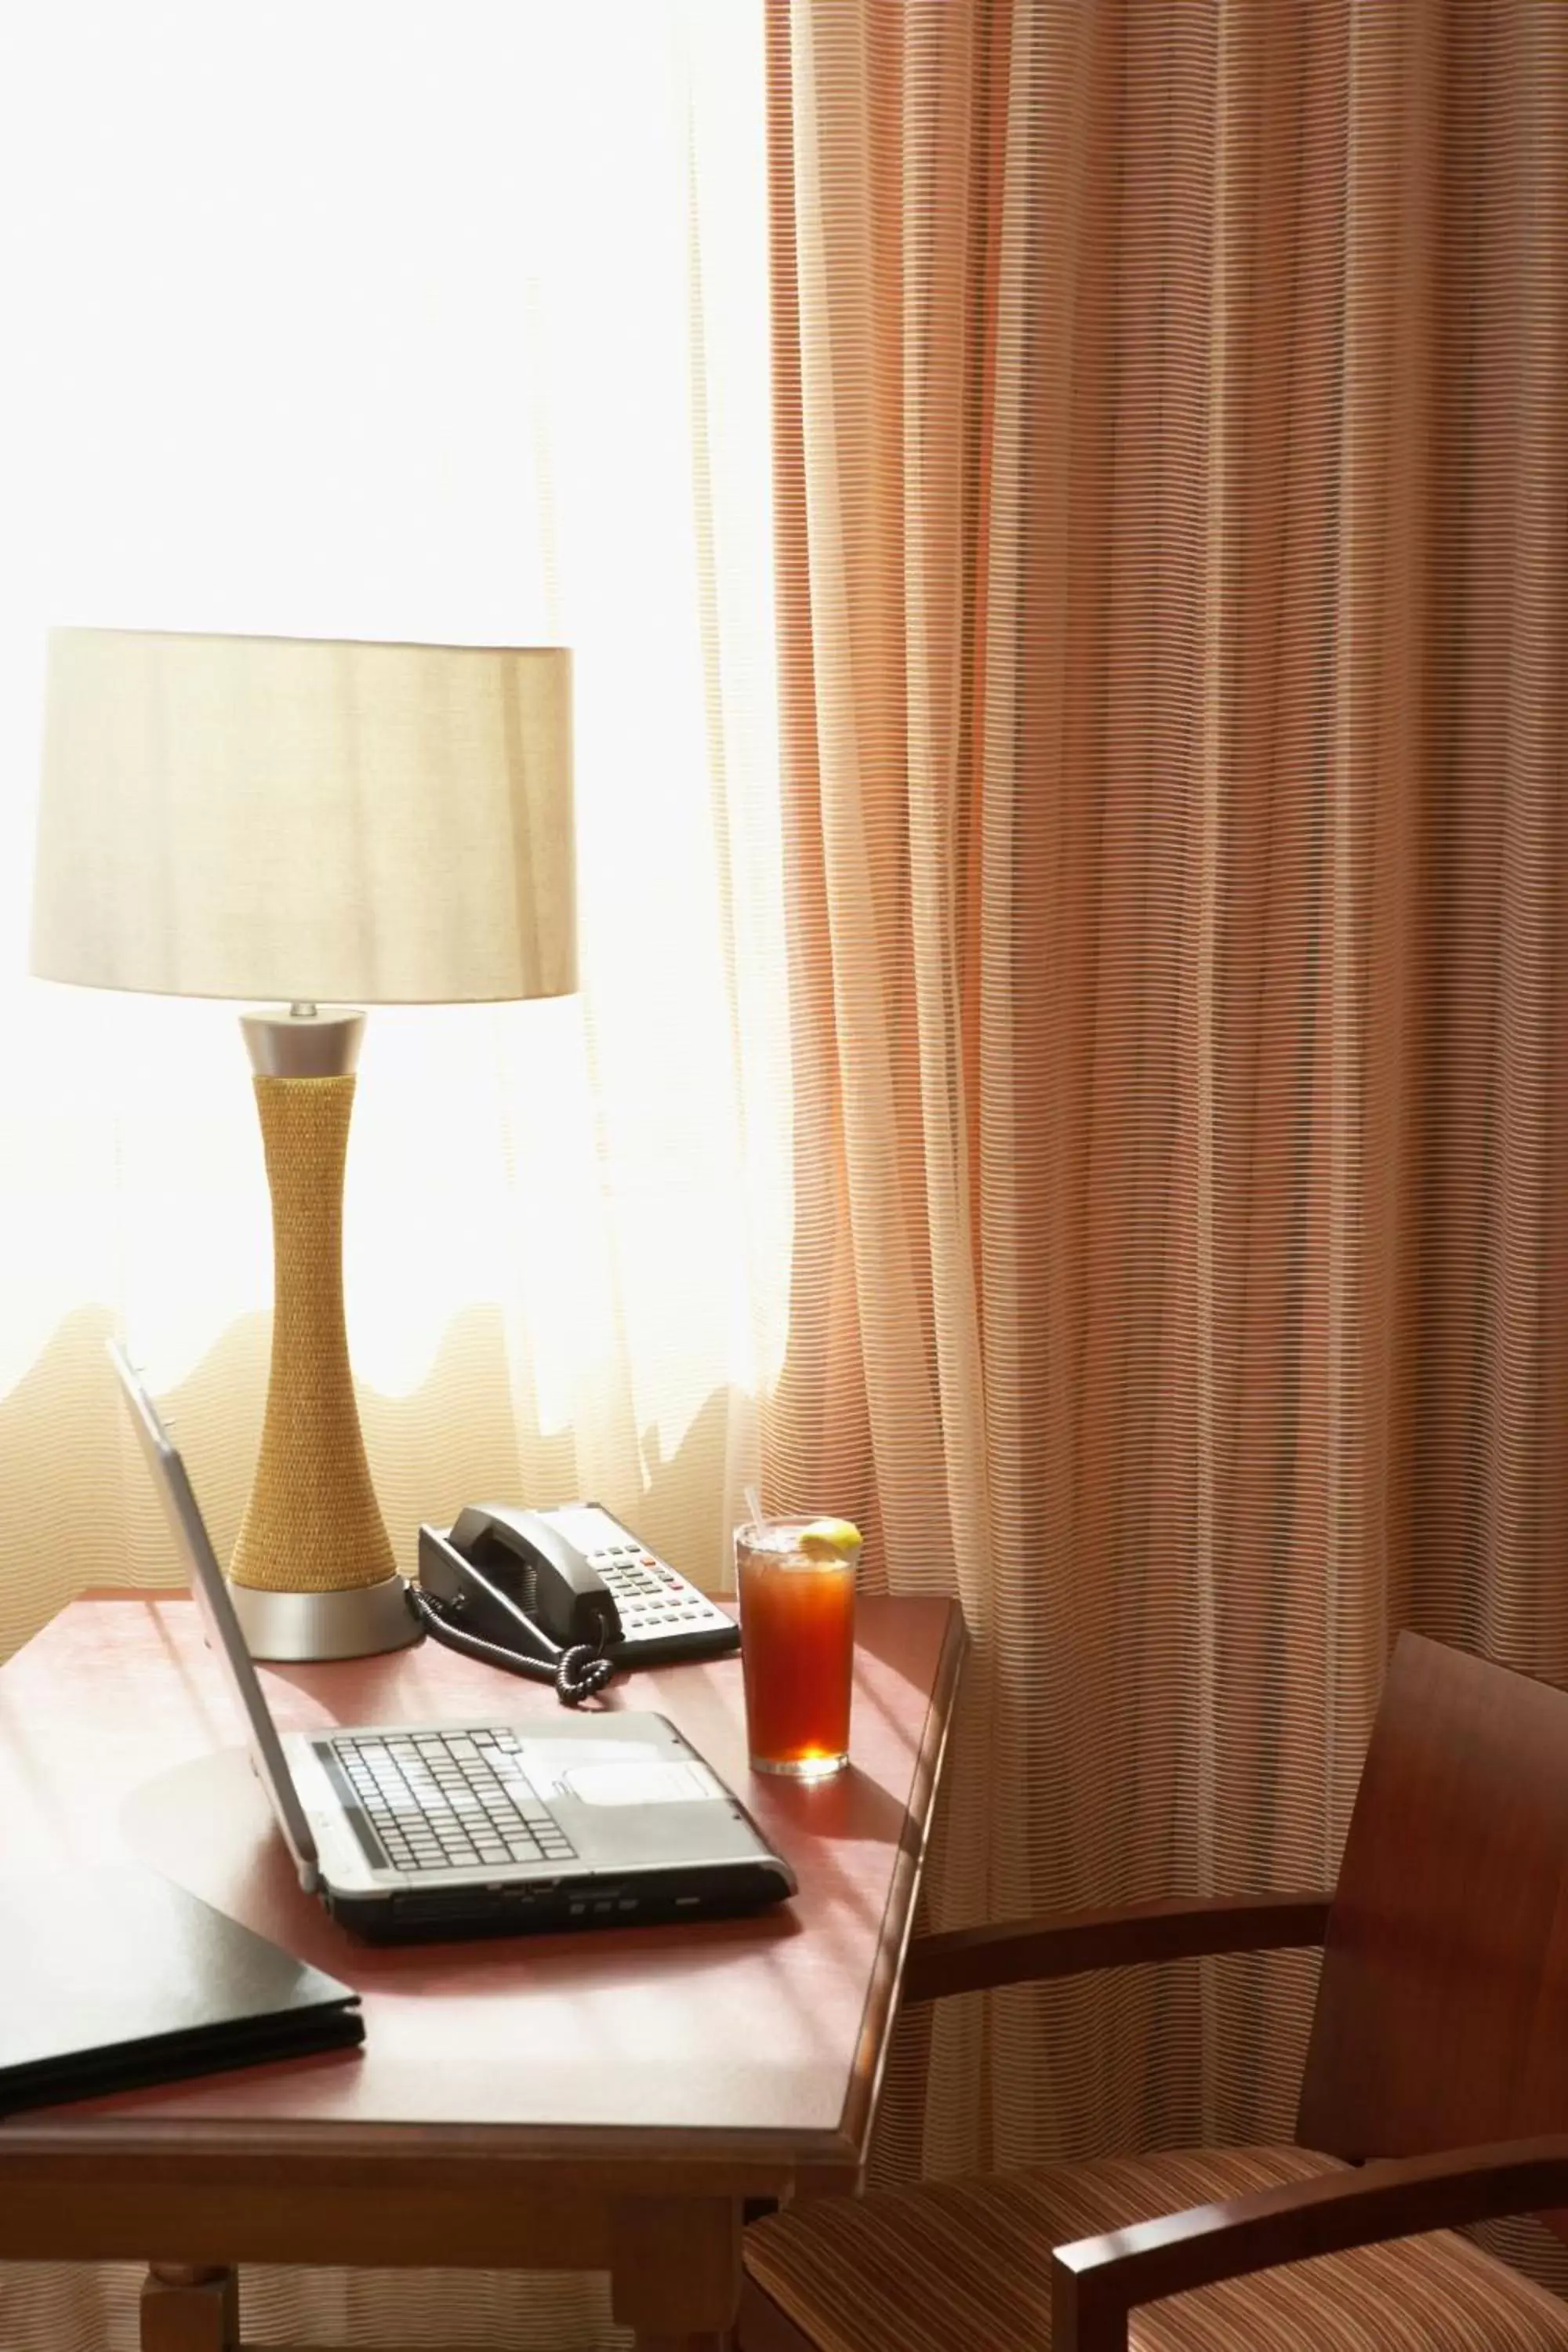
pixel 675 2271
pixel 186 2310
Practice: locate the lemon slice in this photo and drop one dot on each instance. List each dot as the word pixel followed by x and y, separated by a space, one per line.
pixel 830 1540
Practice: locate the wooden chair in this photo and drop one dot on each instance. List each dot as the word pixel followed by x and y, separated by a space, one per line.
pixel 1435 2094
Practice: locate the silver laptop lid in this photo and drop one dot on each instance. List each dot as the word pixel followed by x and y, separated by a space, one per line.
pixel 212 1593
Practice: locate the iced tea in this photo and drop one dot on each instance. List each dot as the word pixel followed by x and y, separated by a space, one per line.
pixel 796 1580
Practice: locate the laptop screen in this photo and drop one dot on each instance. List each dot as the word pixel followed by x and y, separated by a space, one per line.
pixel 207 1582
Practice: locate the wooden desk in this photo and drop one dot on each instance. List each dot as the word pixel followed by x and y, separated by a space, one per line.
pixel 606 2100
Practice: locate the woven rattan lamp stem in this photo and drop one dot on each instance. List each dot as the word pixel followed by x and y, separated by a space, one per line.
pixel 312 1572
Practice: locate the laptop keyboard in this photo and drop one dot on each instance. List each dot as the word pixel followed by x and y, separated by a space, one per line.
pixel 450 1800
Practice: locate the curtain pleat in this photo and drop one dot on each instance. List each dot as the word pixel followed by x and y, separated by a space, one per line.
pixel 1170 459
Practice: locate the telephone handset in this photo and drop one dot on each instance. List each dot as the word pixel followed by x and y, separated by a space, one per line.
pixel 561 1596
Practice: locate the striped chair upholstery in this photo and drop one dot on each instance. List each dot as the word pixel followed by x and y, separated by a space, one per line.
pixel 962 2266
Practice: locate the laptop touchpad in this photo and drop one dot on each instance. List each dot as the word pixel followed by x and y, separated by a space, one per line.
pixel 653 1783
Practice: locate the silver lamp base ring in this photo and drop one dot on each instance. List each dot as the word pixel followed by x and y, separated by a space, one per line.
pixel 296 1627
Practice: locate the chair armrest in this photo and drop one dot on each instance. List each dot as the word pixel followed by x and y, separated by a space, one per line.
pixel 1096 2281
pixel 1020 1951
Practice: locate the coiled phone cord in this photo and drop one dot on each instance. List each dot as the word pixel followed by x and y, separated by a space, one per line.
pixel 577 1673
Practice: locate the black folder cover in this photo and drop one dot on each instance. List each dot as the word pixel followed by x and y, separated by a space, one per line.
pixel 112 1979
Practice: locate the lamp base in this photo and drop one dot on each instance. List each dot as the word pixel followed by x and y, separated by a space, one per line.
pixel 296 1627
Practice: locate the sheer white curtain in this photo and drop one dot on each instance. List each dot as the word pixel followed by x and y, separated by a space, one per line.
pixel 370 318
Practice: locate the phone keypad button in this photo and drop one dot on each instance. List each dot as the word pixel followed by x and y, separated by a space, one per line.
pixel 655 1606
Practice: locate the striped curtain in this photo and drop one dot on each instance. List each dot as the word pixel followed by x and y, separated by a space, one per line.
pixel 1172 479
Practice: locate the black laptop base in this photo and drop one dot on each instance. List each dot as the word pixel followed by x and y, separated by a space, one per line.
pixel 438 1915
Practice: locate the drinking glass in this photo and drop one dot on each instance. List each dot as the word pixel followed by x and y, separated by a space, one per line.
pixel 796 1580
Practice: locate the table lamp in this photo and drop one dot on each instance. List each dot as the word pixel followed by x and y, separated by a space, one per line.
pixel 327 825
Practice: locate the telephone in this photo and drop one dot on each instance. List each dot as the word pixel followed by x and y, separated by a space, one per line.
pixel 561 1596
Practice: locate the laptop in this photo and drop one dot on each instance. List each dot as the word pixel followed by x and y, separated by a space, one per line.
pixel 411 1831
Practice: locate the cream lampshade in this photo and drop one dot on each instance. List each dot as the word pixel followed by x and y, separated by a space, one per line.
pixel 326 825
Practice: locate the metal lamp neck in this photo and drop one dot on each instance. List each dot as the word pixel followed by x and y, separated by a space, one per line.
pixel 302 1042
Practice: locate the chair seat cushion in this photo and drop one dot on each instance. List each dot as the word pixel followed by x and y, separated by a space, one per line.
pixel 964 2266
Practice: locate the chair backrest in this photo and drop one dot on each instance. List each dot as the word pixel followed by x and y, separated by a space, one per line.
pixel 1442 2017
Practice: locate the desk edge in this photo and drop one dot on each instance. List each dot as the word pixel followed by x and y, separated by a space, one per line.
pixel 876 2019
